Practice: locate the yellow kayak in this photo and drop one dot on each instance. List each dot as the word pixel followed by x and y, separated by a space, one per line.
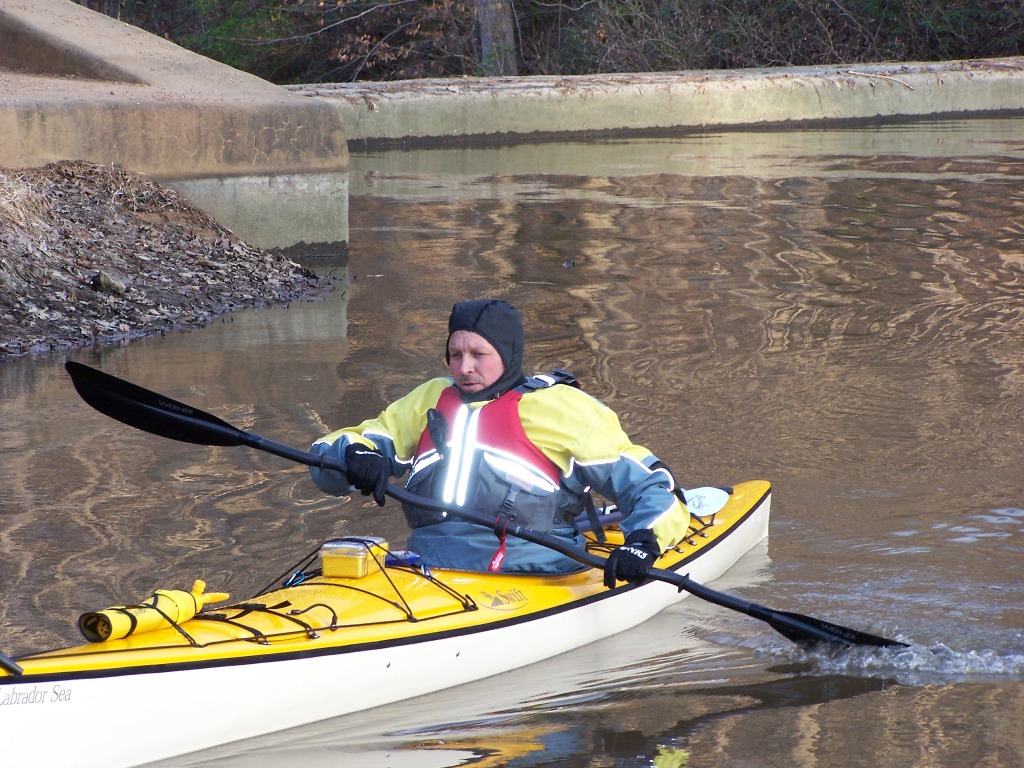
pixel 359 626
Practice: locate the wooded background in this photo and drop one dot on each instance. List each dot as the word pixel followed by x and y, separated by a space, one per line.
pixel 308 41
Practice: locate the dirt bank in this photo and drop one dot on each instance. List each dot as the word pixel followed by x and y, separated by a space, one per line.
pixel 95 254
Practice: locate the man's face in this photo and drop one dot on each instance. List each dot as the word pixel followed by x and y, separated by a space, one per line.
pixel 474 362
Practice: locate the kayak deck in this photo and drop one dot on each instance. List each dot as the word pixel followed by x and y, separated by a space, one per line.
pixel 319 647
pixel 392 603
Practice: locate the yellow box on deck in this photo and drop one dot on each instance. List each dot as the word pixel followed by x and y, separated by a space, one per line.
pixel 350 557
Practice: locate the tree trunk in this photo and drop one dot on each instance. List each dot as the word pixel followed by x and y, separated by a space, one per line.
pixel 497 37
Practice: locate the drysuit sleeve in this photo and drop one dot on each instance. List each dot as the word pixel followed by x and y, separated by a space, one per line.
pixel 395 432
pixel 583 436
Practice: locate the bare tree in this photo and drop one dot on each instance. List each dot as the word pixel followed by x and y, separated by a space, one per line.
pixel 497 37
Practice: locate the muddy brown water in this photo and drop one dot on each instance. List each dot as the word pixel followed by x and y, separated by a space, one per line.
pixel 841 312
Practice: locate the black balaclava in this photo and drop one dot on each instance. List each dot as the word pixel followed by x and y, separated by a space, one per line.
pixel 499 323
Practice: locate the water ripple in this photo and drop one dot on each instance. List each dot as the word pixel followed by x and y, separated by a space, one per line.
pixel 918 664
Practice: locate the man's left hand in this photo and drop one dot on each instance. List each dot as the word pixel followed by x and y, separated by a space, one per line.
pixel 632 561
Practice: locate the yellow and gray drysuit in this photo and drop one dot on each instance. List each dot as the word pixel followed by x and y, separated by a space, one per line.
pixel 532 453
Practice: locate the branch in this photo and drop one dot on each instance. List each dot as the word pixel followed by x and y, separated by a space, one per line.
pixel 884 77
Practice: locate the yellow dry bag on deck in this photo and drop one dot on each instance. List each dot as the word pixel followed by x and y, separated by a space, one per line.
pixel 166 608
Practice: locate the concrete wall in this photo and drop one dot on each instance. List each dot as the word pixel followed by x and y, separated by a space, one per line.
pixel 433 112
pixel 78 85
pixel 75 84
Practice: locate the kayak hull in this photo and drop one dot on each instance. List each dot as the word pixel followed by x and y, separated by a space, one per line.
pixel 217 679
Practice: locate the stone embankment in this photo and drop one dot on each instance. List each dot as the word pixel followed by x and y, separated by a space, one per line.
pixel 91 251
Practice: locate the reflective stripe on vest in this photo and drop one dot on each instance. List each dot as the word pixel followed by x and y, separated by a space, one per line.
pixel 496 430
pixel 463 444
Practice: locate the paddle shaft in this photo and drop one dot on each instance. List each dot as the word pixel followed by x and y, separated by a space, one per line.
pixel 156 414
pixel 10 665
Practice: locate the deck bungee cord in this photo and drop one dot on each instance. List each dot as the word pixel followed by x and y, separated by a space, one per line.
pixel 233 615
pixel 224 614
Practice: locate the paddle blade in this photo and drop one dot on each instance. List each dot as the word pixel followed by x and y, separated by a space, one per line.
pixel 836 632
pixel 151 412
pixel 705 500
pixel 804 630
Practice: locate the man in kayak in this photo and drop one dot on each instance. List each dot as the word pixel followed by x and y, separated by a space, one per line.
pixel 495 441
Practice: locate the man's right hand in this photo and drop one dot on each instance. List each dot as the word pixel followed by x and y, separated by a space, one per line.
pixel 367 470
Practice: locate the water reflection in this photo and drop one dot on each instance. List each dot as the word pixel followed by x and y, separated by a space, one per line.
pixel 924 150
pixel 275 211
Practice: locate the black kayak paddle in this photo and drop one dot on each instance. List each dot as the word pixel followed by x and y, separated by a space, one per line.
pixel 159 415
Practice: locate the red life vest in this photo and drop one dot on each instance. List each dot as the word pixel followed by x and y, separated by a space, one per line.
pixel 487 462
pixel 498 428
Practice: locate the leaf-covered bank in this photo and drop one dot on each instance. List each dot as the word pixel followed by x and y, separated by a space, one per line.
pixel 96 254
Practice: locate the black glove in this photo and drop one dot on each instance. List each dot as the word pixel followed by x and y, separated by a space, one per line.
pixel 632 561
pixel 367 470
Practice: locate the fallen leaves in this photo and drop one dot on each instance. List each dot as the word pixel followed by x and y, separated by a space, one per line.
pixel 94 254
